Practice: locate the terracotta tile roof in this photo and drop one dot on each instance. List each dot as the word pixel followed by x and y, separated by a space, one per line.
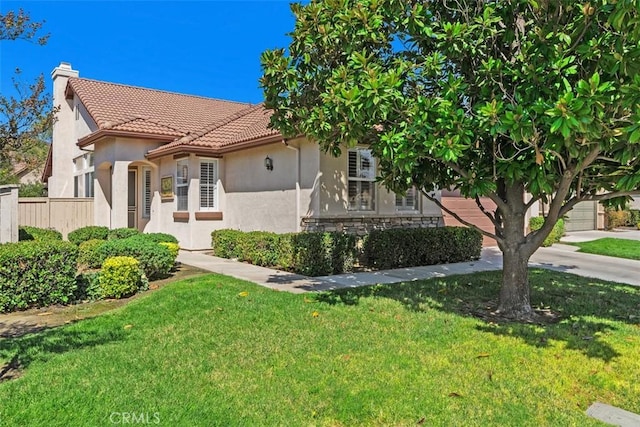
pixel 121 107
pixel 247 125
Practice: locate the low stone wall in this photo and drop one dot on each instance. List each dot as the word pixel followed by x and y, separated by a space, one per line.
pixel 361 225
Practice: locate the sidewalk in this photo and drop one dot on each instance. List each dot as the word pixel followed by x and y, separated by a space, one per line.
pixel 559 258
pixel 295 283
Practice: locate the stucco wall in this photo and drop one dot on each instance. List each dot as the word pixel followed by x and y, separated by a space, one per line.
pixel 333 195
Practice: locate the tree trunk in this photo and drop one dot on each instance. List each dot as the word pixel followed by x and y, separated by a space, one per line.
pixel 514 293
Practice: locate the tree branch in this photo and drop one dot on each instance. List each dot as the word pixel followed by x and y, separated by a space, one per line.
pixel 457 217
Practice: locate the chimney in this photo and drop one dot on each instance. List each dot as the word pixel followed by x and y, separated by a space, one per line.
pixel 64 70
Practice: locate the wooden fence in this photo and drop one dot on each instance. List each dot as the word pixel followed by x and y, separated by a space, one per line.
pixel 64 215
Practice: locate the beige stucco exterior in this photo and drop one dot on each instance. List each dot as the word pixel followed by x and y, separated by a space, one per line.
pixel 304 187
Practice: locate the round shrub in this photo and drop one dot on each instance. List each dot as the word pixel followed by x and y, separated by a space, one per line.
pixel 122 233
pixel 173 248
pixel 37 274
pixel 88 255
pixel 88 233
pixel 121 276
pixel 155 260
pixel 161 237
pixel 26 233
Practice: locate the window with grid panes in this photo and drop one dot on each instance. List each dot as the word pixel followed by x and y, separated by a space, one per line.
pixel 361 180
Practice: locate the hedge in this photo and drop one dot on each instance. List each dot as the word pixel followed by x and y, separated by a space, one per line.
pixel 318 253
pixel 37 274
pixel 88 255
pixel 161 237
pixel 26 233
pixel 88 233
pixel 155 259
pixel 410 247
pixel 122 233
pixel 536 222
pixel 312 254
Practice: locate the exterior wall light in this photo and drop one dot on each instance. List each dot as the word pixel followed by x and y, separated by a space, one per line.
pixel 268 163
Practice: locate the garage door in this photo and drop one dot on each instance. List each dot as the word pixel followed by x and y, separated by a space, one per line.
pixel 582 217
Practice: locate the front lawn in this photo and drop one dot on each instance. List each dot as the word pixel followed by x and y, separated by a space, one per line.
pixel 219 351
pixel 621 248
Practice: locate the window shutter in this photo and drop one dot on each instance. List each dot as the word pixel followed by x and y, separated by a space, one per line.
pixel 208 184
pixel 147 193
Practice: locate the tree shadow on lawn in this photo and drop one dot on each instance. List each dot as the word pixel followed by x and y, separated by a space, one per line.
pixel 16 354
pixel 572 309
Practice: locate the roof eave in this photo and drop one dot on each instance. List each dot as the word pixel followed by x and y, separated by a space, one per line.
pixel 93 137
pixel 213 151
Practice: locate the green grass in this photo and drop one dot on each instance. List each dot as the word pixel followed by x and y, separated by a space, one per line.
pixel 621 248
pixel 199 353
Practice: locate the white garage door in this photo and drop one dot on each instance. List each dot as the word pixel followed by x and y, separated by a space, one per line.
pixel 582 217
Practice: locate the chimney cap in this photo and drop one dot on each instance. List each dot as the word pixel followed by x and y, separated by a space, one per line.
pixel 64 70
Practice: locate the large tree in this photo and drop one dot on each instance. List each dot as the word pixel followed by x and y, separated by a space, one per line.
pixel 496 98
pixel 26 117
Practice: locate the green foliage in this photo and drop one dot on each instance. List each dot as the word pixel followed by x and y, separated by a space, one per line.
pixel 122 233
pixel 174 248
pixel 37 274
pixel 88 233
pixel 88 286
pixel 312 254
pixel 88 255
pixel 26 233
pixel 155 260
pixel 224 243
pixel 536 223
pixel 32 189
pixel 121 276
pixel 410 247
pixel 161 237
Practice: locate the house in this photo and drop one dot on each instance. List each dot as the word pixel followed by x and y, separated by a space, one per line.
pixel 187 165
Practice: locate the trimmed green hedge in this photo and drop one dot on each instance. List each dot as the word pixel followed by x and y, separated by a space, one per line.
pixel 319 254
pixel 88 255
pixel 161 237
pixel 122 233
pixel 536 222
pixel 26 233
pixel 37 274
pixel 312 254
pixel 155 259
pixel 410 247
pixel 88 233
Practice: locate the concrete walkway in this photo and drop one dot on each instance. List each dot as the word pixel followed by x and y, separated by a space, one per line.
pixel 585 236
pixel 559 257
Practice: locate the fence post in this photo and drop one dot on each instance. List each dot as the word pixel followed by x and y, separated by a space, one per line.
pixel 8 213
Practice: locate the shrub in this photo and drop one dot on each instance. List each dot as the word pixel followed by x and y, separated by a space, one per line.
pixel 88 286
pixel 155 260
pixel 161 237
pixel 224 243
pixel 174 249
pixel 536 222
pixel 37 274
pixel 32 189
pixel 121 276
pixel 88 233
pixel 615 218
pixel 26 233
pixel 122 233
pixel 319 254
pixel 396 248
pixel 88 255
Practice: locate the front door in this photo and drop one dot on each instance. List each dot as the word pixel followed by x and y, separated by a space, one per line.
pixel 132 211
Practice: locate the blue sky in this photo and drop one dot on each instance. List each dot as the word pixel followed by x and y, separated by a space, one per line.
pixel 207 48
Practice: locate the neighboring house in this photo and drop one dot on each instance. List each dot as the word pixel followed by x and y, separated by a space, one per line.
pixel 27 174
pixel 187 165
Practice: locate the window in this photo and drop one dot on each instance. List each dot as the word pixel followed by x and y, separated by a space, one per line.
pixel 146 192
pixel 409 202
pixel 76 190
pixel 88 183
pixel 77 111
pixel 362 176
pixel 209 184
pixel 182 185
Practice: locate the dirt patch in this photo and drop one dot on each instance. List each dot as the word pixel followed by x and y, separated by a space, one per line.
pixel 19 323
